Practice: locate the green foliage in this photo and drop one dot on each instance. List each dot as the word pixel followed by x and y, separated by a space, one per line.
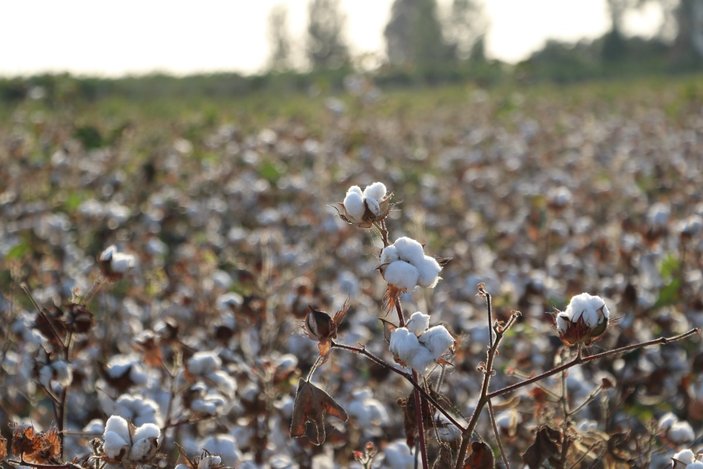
pixel 669 269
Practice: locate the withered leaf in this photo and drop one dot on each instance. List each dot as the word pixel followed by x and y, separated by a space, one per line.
pixel 481 456
pixel 311 406
pixel 546 446
pixel 3 447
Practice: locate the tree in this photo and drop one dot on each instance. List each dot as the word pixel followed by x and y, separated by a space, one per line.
pixel 326 47
pixel 466 27
pixel 280 39
pixel 414 34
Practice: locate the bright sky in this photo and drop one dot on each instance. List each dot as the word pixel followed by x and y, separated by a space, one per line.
pixel 107 37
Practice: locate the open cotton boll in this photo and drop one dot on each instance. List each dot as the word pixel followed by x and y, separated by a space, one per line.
pixel 410 250
pixel 418 323
pixel 202 363
pixel 114 446
pixel 375 191
pixel 437 339
pixel 421 359
pixel 143 449
pixel 354 204
pixel 106 255
pixel 355 190
pixel 680 432
pixel 591 308
pixel 401 274
pixel 397 455
pixel 148 430
pixel 428 271
pixel 209 461
pixel 685 456
pixel 695 465
pixel 122 262
pixel 404 344
pixel 117 425
pixel 225 447
pixel 373 206
pixel 666 421
pixel 224 382
pixel 389 254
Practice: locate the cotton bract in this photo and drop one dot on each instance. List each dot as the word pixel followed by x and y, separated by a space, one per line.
pixel 405 265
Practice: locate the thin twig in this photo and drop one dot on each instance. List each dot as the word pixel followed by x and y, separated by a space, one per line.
pixel 408 376
pixel 491 415
pixel 578 360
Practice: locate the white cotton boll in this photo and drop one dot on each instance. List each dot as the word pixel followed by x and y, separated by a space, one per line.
pixel 63 373
pixel 183 466
pixel 373 206
pixel 695 465
pixel 418 323
pixel 684 456
pixel 209 461
pixel 122 262
pixel 117 425
pixel 45 375
pixel 202 363
pixel 202 406
pixel 397 455
pixel 106 255
pixel 421 360
pixel 354 205
pixel 437 339
pixel 592 308
pixel 680 432
pixel 666 421
pixel 355 190
pixel 410 250
pixel 95 426
pixel 375 191
pixel 114 446
pixel 401 274
pixel 562 323
pixel 148 430
pixel 389 254
pixel 143 449
pixel 403 344
pixel 224 446
pixel 429 270
pixel 224 382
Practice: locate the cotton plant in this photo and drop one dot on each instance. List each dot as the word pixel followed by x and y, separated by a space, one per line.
pixel 418 345
pixel 123 443
pixel 687 459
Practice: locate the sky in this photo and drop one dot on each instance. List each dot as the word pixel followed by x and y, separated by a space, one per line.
pixel 110 38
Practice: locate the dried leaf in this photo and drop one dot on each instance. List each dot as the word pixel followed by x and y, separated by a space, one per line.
pixel 481 456
pixel 339 315
pixel 546 446
pixel 24 440
pixel 3 447
pixel 311 406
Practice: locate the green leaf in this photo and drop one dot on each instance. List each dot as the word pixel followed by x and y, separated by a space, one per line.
pixel 18 251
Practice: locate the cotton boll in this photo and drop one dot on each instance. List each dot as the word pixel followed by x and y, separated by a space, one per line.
pixel 117 425
pixel 148 430
pixel 421 360
pixel 225 447
pixel 122 262
pixel 202 363
pixel 666 421
pixel 143 449
pixel 410 250
pixel 591 308
pixel 562 323
pixel 695 465
pixel 354 205
pixel 389 254
pixel 373 206
pixel 401 274
pixel 375 191
pixel 684 456
pixel 224 382
pixel 418 323
pixel 429 272
pixel 397 455
pixel 106 255
pixel 114 446
pixel 355 190
pixel 403 344
pixel 437 339
pixel 680 432
pixel 209 461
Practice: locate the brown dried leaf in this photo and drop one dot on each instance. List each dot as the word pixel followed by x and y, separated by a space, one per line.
pixel 3 447
pixel 546 446
pixel 339 315
pixel 311 406
pixel 481 456
pixel 24 440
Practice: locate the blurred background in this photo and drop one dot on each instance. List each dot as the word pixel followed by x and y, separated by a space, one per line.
pixel 400 40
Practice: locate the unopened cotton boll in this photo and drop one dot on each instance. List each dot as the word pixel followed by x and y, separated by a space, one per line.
pixel 401 274
pixel 376 191
pixel 418 323
pixel 437 339
pixel 354 204
pixel 428 271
